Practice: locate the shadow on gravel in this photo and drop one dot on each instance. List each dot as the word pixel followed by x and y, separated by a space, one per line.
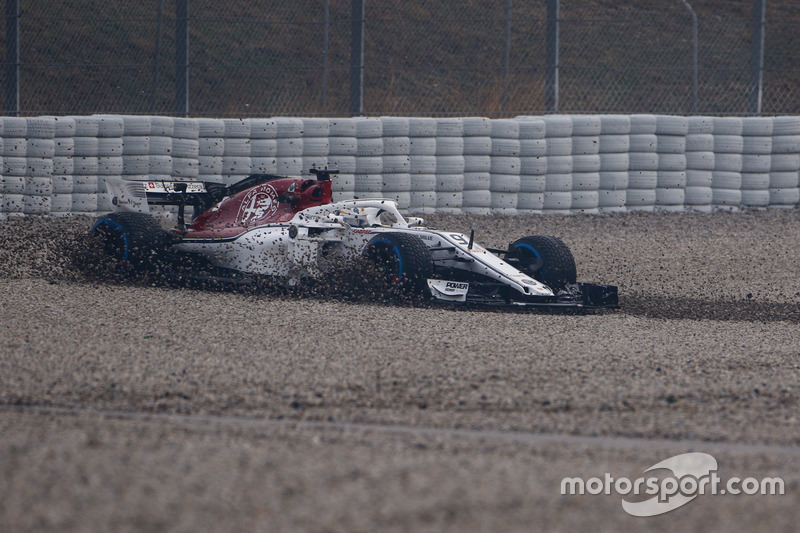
pixel 695 309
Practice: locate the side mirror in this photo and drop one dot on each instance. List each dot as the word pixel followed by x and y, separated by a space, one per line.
pixel 415 221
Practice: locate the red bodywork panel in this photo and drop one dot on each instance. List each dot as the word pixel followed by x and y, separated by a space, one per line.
pixel 275 201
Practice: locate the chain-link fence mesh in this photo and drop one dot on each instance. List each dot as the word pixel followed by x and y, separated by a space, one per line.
pixel 421 57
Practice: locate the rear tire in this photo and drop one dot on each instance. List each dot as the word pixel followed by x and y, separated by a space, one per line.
pixel 136 240
pixel 546 259
pixel 402 261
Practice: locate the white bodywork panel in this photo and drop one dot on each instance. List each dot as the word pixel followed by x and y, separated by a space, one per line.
pixel 294 249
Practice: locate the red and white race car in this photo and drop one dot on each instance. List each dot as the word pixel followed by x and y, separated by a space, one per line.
pixel 289 230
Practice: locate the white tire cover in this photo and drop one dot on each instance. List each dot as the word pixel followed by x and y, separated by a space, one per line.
pixel 643 124
pixel 394 127
pixel 700 142
pixel 477 181
pixel 421 127
pixel 422 164
pixel 585 163
pixel 559 146
pixel 640 198
pixel 726 197
pixel 643 142
pixel 783 197
pixel 670 144
pixel 557 200
pixel 614 162
pixel 397 182
pixel 477 198
pixel 728 162
pixel 342 127
pixel 396 145
pixel 727 126
pixel 477 126
pixel 477 163
pixel 531 128
pixel 346 164
pixel 207 127
pixel 423 182
pixel 211 146
pixel 755 181
pixel 314 146
pixel 642 179
pixel 759 198
pixel 671 179
pixel 611 198
pixel 614 144
pixel 756 163
pixel 726 180
pixel 614 180
pixel 504 183
pixel 267 128
pixel 700 160
pixel 160 164
pixel 479 145
pixel 287 147
pixel 504 165
pixel 615 125
pixel 643 161
pixel 783 180
pixel 529 184
pixel 585 181
pixel 698 195
pixel 530 201
pixel 672 125
pixel 505 129
pixel 266 147
pixel 449 182
pixel 586 125
pixel 532 165
pixel 699 178
pixel 586 145
pixel 557 126
pixel 423 146
pixel 259 165
pixel 558 182
pixel 340 146
pixel 368 128
pixel 701 125
pixel 399 164
pixel 138 146
pixel 666 196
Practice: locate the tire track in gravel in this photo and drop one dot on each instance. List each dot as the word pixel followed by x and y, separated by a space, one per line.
pixel 653 306
pixel 514 437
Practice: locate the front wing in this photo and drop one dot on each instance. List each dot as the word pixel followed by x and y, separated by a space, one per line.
pixel 577 296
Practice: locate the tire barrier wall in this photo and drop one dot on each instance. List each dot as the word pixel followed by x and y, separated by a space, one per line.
pixel 556 164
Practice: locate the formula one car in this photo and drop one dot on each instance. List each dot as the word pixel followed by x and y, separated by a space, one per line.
pixel 288 229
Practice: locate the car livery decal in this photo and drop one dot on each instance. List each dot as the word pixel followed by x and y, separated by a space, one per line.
pixel 259 203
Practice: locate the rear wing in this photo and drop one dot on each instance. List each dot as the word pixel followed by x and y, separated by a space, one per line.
pixel 137 196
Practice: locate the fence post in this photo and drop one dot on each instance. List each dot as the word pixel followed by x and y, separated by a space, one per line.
pixel 757 56
pixel 551 87
pixel 506 56
pixel 694 56
pixel 326 16
pixel 12 58
pixel 182 58
pixel 357 58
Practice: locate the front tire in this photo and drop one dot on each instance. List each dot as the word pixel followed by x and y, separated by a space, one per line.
pixel 546 259
pixel 402 262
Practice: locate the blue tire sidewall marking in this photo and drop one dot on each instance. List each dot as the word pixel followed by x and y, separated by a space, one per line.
pixel 538 256
pixel 397 254
pixel 116 226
